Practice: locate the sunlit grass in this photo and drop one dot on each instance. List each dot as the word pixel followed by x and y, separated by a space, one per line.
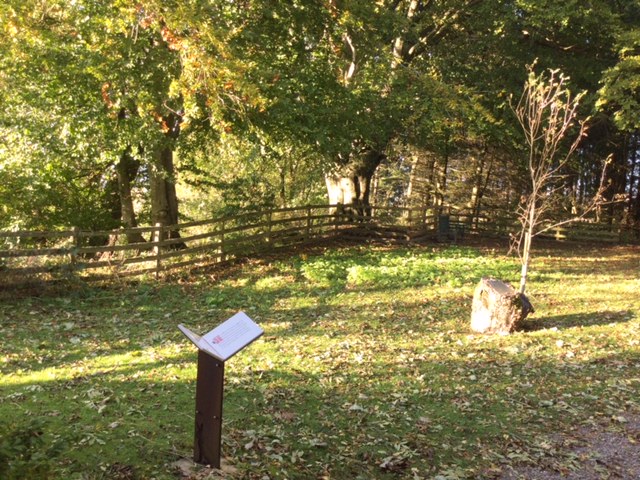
pixel 367 368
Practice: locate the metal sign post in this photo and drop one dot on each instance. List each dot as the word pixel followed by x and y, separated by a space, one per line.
pixel 214 348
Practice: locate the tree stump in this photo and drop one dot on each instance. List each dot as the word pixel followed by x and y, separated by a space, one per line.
pixel 498 307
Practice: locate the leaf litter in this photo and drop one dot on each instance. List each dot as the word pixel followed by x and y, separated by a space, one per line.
pixel 364 372
pixel 592 452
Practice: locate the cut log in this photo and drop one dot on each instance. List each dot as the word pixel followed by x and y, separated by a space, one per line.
pixel 498 307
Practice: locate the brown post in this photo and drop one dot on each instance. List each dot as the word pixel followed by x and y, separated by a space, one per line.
pixel 222 255
pixel 75 245
pixel 208 430
pixel 308 227
pixel 339 218
pixel 269 225
pixel 157 238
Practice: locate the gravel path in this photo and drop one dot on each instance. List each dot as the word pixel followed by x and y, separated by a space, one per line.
pixel 611 452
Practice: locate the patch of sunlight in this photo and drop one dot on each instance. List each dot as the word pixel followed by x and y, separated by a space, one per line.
pixel 272 283
pixel 98 365
pixel 273 327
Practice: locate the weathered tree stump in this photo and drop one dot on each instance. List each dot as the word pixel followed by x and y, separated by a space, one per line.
pixel 498 307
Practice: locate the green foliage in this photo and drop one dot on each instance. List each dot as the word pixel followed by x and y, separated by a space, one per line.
pixel 250 173
pixel 621 83
pixel 272 95
pixel 455 266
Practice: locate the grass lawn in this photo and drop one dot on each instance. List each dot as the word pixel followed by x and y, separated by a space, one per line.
pixel 367 368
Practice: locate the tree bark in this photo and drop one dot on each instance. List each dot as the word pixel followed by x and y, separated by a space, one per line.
pixel 481 191
pixel 164 200
pixel 528 237
pixel 350 182
pixel 633 179
pixel 441 179
pixel 617 179
pixel 126 170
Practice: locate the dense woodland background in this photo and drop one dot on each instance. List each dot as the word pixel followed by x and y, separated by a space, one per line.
pixel 118 113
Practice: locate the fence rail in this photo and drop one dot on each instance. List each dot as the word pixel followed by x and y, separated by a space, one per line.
pixel 104 254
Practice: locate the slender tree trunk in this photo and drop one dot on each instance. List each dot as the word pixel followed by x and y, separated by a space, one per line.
pixel 421 180
pixel 283 187
pixel 112 205
pixel 375 184
pixel 526 250
pixel 481 191
pixel 413 180
pixel 573 188
pixel 477 182
pixel 441 180
pixel 634 187
pixel 112 198
pixel 633 177
pixel 429 178
pixel 617 180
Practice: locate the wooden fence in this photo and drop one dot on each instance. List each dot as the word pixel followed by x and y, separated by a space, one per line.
pixel 500 223
pixel 103 254
pixel 25 255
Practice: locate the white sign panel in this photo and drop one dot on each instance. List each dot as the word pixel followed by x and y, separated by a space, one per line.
pixel 226 339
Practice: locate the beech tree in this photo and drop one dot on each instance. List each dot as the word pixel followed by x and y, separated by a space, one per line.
pixel 350 78
pixel 267 103
pixel 107 85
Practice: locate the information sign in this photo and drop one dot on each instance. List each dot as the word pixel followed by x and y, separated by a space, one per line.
pixel 226 339
pixel 215 347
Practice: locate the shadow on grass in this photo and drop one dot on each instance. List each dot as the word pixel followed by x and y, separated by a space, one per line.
pixel 561 322
pixel 413 411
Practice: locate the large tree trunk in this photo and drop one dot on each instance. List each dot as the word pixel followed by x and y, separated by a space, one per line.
pixel 164 201
pixel 350 182
pixel 126 170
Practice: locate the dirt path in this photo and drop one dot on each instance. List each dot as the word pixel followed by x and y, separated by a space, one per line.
pixel 610 452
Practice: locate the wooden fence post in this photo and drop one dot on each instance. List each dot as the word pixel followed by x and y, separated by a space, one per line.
pixel 222 255
pixel 75 245
pixel 308 227
pixel 269 225
pixel 339 218
pixel 157 238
